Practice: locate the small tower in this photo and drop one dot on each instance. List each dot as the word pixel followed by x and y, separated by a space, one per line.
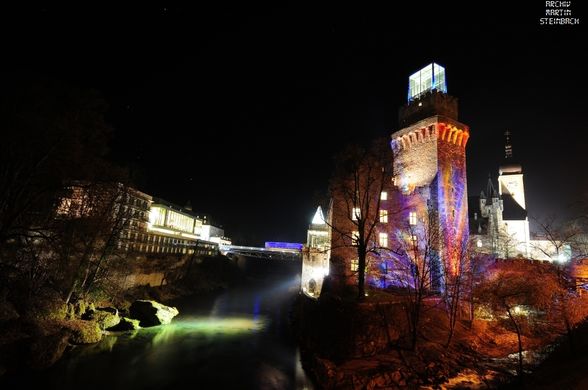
pixel 491 208
pixel 430 161
pixel 315 255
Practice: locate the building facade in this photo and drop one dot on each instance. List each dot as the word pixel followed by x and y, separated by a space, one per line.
pixel 139 222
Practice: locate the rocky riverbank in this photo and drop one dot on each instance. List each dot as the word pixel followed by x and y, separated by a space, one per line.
pixel 349 345
pixel 37 334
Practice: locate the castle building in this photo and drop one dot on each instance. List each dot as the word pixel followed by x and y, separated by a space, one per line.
pixel 499 221
pixel 422 207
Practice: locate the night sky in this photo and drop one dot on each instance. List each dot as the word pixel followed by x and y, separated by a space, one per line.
pixel 240 110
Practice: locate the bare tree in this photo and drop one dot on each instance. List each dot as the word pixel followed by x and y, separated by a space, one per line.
pixel 506 244
pixel 571 311
pixel 456 267
pixel 416 262
pixel 473 275
pixel 356 186
pixel 95 221
pixel 50 133
pixel 560 238
pixel 513 297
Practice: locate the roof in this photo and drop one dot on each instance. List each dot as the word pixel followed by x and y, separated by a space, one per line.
pixel 478 224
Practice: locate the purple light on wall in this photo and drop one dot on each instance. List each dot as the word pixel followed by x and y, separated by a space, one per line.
pixel 283 245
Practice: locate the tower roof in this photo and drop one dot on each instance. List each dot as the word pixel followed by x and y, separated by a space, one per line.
pixel 427 96
pixel 319 218
pixel 490 190
pixel 429 78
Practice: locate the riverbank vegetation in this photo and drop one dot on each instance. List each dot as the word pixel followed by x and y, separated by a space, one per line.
pixel 518 321
pixel 66 271
pixel 36 333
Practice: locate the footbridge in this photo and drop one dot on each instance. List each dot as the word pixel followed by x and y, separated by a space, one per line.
pixel 263 253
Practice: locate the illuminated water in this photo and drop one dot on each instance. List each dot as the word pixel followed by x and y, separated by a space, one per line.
pixel 236 340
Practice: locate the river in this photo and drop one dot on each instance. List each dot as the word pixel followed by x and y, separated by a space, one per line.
pixel 236 339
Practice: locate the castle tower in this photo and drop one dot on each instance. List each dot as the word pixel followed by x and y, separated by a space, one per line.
pixel 511 175
pixel 430 163
pixel 511 188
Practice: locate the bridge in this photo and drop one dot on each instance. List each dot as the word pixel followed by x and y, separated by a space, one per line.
pixel 262 253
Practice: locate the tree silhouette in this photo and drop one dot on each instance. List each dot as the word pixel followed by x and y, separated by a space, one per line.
pixel 360 176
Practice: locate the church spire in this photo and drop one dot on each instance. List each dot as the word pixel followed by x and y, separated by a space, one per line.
pixel 490 190
pixel 507 146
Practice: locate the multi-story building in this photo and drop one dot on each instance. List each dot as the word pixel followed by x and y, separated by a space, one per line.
pixel 139 222
pixel 118 213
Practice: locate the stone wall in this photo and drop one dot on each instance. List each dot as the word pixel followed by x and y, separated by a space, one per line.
pixel 341 330
pixel 429 104
pixel 146 270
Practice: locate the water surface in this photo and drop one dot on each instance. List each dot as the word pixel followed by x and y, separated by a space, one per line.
pixel 237 339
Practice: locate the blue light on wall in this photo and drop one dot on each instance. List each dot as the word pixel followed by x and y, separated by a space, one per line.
pixel 283 245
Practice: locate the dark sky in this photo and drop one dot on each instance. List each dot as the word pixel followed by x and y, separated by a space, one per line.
pixel 240 110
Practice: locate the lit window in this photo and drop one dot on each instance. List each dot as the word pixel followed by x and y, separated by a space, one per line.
pixel 157 216
pixel 354 237
pixel 384 216
pixel 384 195
pixel 354 264
pixel 414 238
pixel 479 243
pixel 383 240
pixel 412 218
pixel 355 213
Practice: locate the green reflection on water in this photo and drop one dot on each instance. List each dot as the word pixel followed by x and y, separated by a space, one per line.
pixel 230 325
pixel 186 327
pixel 205 326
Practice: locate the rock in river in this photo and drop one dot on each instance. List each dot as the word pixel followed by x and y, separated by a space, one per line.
pixel 151 313
pixel 125 324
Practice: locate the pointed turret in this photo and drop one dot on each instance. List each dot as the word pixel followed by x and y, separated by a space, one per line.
pixel 491 192
pixel 319 218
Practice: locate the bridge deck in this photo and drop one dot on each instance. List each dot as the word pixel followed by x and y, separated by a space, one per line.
pixel 267 253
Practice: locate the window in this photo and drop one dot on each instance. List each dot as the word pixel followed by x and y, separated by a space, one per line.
pixel 354 237
pixel 414 238
pixel 355 213
pixel 384 216
pixel 383 240
pixel 384 195
pixel 412 218
pixel 354 264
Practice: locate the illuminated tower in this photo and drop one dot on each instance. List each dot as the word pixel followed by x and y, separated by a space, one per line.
pixel 512 191
pixel 316 254
pixel 430 165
